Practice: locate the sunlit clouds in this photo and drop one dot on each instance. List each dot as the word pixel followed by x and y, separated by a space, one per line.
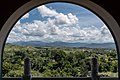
pixel 58 26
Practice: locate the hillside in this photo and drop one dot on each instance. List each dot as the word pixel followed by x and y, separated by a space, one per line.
pixel 57 62
pixel 66 44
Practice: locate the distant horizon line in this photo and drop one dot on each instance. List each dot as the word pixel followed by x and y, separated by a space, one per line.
pixel 62 41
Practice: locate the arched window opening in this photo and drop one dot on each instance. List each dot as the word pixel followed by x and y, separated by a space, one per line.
pixel 61 39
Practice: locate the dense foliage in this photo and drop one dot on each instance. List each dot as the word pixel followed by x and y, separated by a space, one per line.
pixel 57 62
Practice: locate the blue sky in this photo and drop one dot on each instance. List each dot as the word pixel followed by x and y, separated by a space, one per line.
pixel 86 17
pixel 60 22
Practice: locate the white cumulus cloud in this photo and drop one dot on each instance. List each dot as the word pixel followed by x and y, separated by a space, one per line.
pixel 46 11
pixel 59 18
pixel 58 27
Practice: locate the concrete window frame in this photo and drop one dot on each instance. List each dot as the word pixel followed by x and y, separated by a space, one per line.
pixel 99 11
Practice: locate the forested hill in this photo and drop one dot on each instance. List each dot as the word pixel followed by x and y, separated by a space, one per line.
pixel 66 44
pixel 58 62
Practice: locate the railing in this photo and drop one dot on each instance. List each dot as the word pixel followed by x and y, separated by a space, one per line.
pixel 27 73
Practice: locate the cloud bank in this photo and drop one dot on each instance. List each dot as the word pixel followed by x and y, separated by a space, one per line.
pixel 58 27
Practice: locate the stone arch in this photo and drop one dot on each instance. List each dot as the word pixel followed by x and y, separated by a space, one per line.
pixel 99 11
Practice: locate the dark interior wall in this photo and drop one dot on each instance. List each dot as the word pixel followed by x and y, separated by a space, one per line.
pixel 7 7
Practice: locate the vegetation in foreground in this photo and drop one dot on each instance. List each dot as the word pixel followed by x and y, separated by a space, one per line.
pixel 58 62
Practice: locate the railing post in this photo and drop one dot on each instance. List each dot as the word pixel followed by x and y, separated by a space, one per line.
pixel 94 69
pixel 27 68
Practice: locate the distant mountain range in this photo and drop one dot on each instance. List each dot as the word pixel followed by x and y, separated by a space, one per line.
pixel 66 44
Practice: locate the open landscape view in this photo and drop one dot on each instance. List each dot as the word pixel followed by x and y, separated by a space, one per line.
pixel 60 39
